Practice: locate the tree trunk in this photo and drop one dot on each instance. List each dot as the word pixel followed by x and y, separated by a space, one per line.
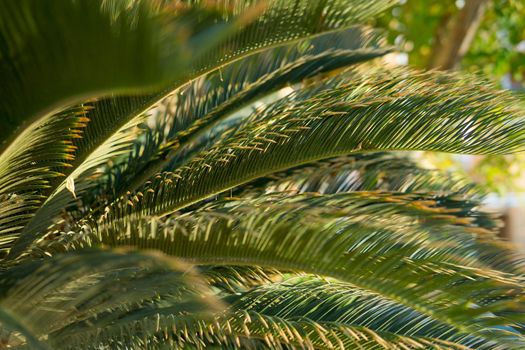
pixel 455 35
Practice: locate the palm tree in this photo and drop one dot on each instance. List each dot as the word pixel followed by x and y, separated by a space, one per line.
pixel 191 174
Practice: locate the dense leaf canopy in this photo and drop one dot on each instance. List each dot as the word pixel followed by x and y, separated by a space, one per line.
pixel 193 174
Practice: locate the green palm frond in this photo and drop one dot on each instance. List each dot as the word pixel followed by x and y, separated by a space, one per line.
pixel 403 262
pixel 15 333
pixel 203 104
pixel 280 22
pixel 100 287
pixel 369 110
pixel 36 52
pixel 234 279
pixel 249 139
pixel 37 155
pixel 291 20
pixel 30 165
pixel 41 58
pixel 258 331
pixel 360 172
pixel 82 177
pixel 333 305
pixel 310 314
pixel 390 172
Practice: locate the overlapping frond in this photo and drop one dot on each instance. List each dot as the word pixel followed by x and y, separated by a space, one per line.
pixel 41 58
pixel 451 220
pixel 385 243
pixel 257 25
pixel 30 165
pixel 332 308
pixel 100 288
pixel 267 24
pixel 360 172
pixel 203 104
pixel 369 110
pixel 273 23
pixel 47 66
pixel 266 166
pixel 309 314
pixel 234 279
pixel 14 333
pixel 253 330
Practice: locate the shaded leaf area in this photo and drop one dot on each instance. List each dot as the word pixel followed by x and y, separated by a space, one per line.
pixel 361 172
pixel 55 197
pixel 310 314
pixel 112 120
pixel 369 110
pixel 210 98
pixel 132 50
pixel 258 25
pixel 81 289
pixel 469 233
pixel 339 314
pixel 189 117
pixel 394 173
pixel 41 153
pixel 262 25
pixel 263 152
pixel 410 249
pixel 15 334
pixel 235 279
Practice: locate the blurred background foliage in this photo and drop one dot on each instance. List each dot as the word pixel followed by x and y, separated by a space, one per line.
pixel 481 37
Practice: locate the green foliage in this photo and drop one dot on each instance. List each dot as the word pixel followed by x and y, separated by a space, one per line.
pixel 413 26
pixel 236 181
pixel 494 53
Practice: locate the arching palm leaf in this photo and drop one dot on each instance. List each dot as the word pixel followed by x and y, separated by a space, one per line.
pixel 41 58
pixel 387 260
pixel 292 21
pixel 103 286
pixel 217 96
pixel 360 172
pixel 235 136
pixel 368 111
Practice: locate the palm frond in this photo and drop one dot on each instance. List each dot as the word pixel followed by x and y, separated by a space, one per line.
pixel 234 279
pixel 280 22
pixel 306 314
pixel 30 165
pixel 245 137
pixel 332 303
pixel 35 157
pixel 449 220
pixel 393 172
pixel 367 111
pixel 198 107
pixel 376 171
pixel 99 287
pixel 258 331
pixel 83 177
pixel 292 21
pixel 435 270
pixel 14 333
pixel 130 51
